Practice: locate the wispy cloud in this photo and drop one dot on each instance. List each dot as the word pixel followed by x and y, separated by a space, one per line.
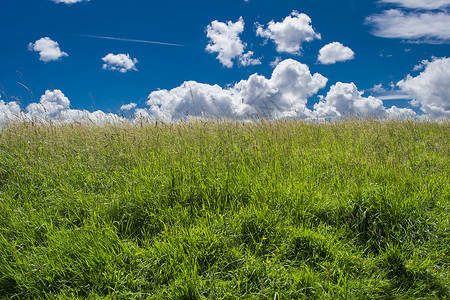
pixel 421 4
pixel 127 40
pixel 394 97
pixel 427 27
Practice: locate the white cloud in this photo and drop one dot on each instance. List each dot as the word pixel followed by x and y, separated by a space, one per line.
pixel 430 88
pixel 335 52
pixel 426 27
pixel 190 99
pixel 84 116
pixel 68 1
pixel 420 66
pixel 391 93
pixel 378 88
pixel 421 4
pixel 119 62
pixel 394 96
pixel 275 62
pixel 48 49
pixel 289 34
pixel 224 39
pixel 344 99
pixel 129 106
pixel 400 113
pixel 283 95
pixel 51 104
pixel 9 111
pixel 54 106
pixel 247 60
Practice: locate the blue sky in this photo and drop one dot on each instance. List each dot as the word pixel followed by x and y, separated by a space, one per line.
pixel 393 51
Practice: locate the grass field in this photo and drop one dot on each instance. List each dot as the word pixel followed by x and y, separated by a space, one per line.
pixel 356 209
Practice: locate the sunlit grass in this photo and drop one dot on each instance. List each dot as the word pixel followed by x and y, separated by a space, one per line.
pixel 357 209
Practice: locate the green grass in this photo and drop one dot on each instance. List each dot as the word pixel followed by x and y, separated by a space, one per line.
pixel 356 209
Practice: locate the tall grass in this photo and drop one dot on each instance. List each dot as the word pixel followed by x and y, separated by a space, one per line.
pixel 357 209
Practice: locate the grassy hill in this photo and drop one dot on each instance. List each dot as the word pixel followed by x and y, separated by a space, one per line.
pixel 357 209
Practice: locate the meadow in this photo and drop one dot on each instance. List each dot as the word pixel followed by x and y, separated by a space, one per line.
pixel 355 209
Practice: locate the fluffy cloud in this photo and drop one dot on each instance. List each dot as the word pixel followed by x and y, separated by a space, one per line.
pixel 9 111
pixel 48 49
pixel 119 62
pixel 129 106
pixel 289 34
pixel 430 88
pixel 423 4
pixel 344 99
pixel 84 116
pixel 400 113
pixel 54 106
pixel 427 27
pixel 247 60
pixel 283 95
pixel 334 52
pixel 50 106
pixel 68 1
pixel 224 40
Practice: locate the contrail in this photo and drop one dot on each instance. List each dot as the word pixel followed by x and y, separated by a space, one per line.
pixel 128 40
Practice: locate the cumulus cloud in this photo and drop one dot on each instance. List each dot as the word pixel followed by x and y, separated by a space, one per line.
pixel 400 113
pixel 335 52
pixel 420 4
pixel 426 27
pixel 68 1
pixel 430 89
pixel 48 49
pixel 289 34
pixel 84 116
pixel 9 111
pixel 51 104
pixel 224 39
pixel 344 99
pixel 129 106
pixel 283 95
pixel 119 62
pixel 54 106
